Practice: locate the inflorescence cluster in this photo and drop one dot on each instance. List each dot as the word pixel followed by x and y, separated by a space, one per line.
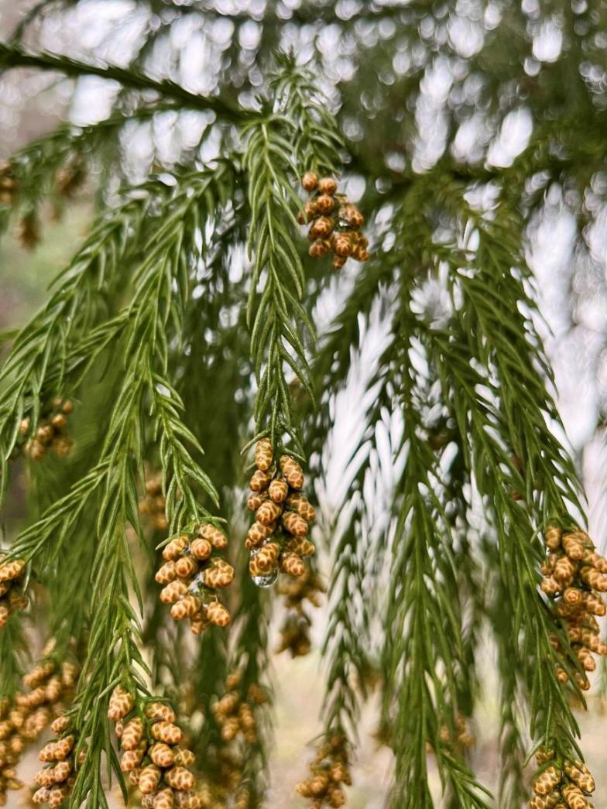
pixel 329 772
pixel 574 577
pixel 12 598
pixel 56 779
pixel 153 503
pixel 154 753
pixel 50 431
pixel 192 574
pixel 561 786
pixel 46 690
pixel 295 629
pixel 334 222
pixel 226 784
pixel 278 539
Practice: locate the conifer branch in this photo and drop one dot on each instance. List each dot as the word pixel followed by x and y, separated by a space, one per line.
pixel 113 656
pixel 543 473
pixel 55 164
pixel 251 659
pixel 519 553
pixel 12 649
pixel 424 650
pixel 343 645
pixel 44 349
pixel 162 286
pixel 176 461
pixel 318 140
pixel 13 56
pixel 277 318
pixel 513 738
pixel 209 674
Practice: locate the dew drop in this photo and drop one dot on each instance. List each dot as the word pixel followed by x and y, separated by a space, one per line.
pixel 266 581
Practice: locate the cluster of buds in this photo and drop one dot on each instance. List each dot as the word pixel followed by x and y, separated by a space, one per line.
pixel 48 687
pixel 295 630
pixel 191 575
pixel 69 178
pixel 56 779
pixel 461 737
pixel 235 716
pixel 329 772
pixel 50 431
pixel 574 576
pixel 11 593
pixel 9 187
pixel 224 787
pixel 235 711
pixel 153 503
pixel 334 222
pixel 51 686
pixel 11 747
pixel 215 791
pixel 154 755
pixel 278 537
pixel 565 786
pixel 28 230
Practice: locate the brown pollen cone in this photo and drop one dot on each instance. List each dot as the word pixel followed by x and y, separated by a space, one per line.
pixel 561 782
pixel 334 222
pixel 192 573
pixel 51 433
pixel 329 773
pixel 154 753
pixel 573 580
pixel 277 539
pixel 12 598
pixel 295 629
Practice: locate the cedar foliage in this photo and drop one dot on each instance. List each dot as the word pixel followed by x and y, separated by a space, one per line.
pixel 188 326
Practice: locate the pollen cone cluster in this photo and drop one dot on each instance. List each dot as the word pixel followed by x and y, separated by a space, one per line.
pixel 153 753
pixel 329 772
pixel 69 178
pixel 223 786
pixel 51 433
pixel 295 630
pixel 278 538
pixel 11 747
pixel 28 230
pixel 11 593
pixel 215 791
pixel 224 789
pixel 51 688
pixel 235 711
pixel 153 503
pixel 214 796
pixel 8 186
pixel 462 737
pixel 192 574
pixel 575 576
pixel 56 779
pixel 48 687
pixel 561 786
pixel 334 222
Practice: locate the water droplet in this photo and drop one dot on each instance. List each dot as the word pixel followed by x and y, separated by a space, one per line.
pixel 266 581
pixel 196 586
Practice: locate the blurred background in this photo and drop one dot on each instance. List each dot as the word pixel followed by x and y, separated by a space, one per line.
pixel 570 281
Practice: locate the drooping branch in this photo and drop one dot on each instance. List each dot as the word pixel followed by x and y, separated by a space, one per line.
pixel 13 56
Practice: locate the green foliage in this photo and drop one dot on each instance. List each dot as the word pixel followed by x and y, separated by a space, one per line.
pixel 191 322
